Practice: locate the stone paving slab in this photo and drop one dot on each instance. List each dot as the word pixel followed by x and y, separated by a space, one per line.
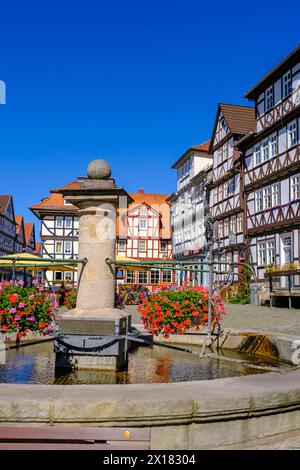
pixel 251 318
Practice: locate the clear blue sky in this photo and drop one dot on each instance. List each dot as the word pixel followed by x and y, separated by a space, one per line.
pixel 134 82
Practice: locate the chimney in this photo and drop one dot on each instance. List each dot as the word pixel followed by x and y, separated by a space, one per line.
pixel 141 191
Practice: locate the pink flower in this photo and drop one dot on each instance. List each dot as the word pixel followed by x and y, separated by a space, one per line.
pixel 21 305
pixel 20 283
pixel 31 319
pixel 13 310
pixel 31 297
pixel 35 282
pixel 18 318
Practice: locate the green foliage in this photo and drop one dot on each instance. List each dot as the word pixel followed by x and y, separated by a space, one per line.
pixel 71 299
pixel 240 294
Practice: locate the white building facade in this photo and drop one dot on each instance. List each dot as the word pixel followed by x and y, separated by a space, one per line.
pixel 188 207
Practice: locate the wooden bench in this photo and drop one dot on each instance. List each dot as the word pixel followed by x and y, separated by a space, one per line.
pixel 72 438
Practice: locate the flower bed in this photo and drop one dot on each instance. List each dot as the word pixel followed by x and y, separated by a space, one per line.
pixel 176 311
pixel 26 309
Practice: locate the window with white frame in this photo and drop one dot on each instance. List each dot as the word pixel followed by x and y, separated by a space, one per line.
pixel 239 223
pixel 130 277
pixel 142 245
pixel 291 134
pixel 58 247
pixel 287 84
pixel 220 229
pixel 67 203
pixel 220 154
pixel 257 155
pixel 270 252
pixel 220 193
pixel 275 195
pixel 225 151
pixel 68 222
pixel 273 145
pixel 226 189
pixel 154 276
pixel 233 225
pixel 265 150
pixel 267 202
pixel 258 201
pixel 68 247
pixel 59 222
pixel 226 228
pixel 269 98
pixel 143 224
pixel 261 254
pixel 143 277
pixel 68 276
pixel 166 276
pixel 216 193
pixel 295 187
pixel 122 245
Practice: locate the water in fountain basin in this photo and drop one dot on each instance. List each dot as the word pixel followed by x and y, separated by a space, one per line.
pixel 35 364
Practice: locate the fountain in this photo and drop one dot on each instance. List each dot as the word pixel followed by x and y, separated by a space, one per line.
pixel 221 400
pixel 90 335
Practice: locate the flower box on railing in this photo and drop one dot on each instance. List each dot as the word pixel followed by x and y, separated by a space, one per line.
pixel 287 272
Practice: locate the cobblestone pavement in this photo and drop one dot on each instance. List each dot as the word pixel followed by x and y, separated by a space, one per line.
pixel 252 317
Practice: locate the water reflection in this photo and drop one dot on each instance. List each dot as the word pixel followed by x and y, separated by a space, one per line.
pixel 36 365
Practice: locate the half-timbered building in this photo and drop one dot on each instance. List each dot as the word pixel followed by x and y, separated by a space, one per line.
pixel 58 233
pixel 7 225
pixel 226 198
pixel 147 237
pixel 272 168
pixel 188 205
pixel 143 233
pixel 20 243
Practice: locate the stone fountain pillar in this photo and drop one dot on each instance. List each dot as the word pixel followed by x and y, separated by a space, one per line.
pixel 89 335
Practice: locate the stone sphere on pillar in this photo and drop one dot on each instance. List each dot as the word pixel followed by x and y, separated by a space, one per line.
pixel 99 170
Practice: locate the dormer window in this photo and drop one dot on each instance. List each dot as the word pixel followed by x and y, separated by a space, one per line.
pixel 269 98
pixel 287 84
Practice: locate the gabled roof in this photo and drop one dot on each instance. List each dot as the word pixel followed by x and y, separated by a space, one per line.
pixel 53 202
pixel 239 119
pixel 204 147
pixel 73 185
pixel 287 62
pixel 147 198
pixel 4 200
pixel 28 229
pixel 19 223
